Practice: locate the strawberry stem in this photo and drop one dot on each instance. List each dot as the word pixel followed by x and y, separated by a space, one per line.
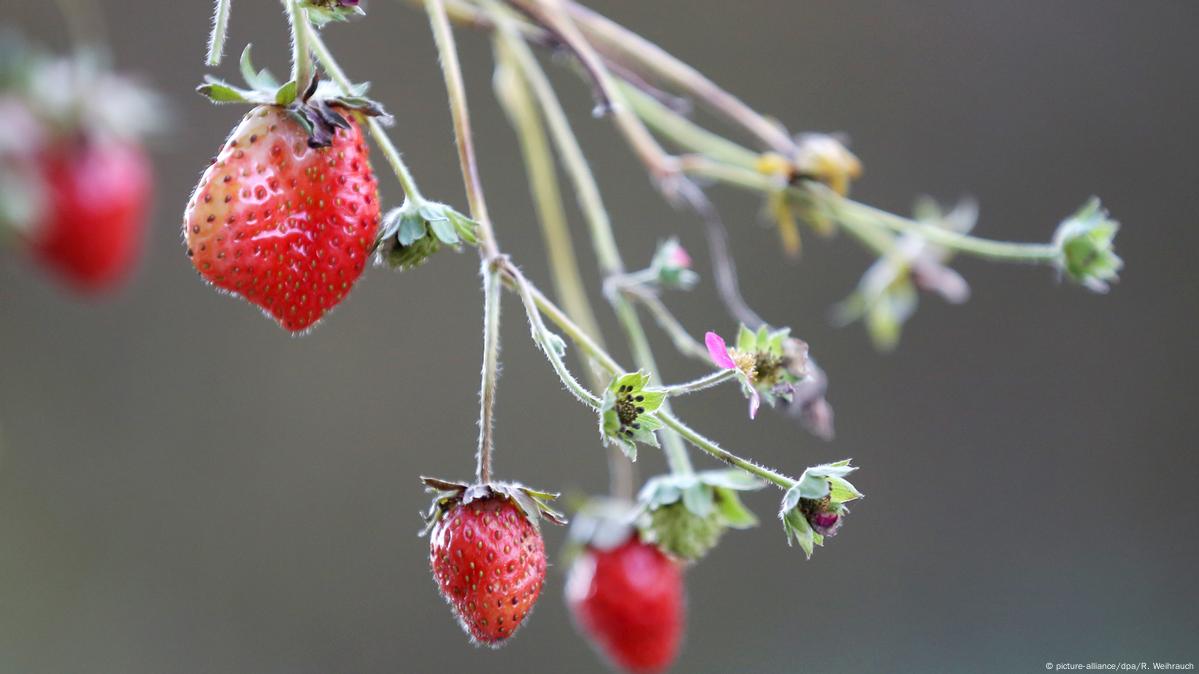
pixel 489 250
pixel 374 126
pixel 220 27
pixel 301 56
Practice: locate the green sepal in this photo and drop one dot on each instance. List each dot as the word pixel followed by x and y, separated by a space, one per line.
pixel 413 232
pixel 1085 242
pixel 532 502
pixel 818 483
pixel 627 414
pixel 256 79
pixel 322 12
pixel 685 515
pixel 796 526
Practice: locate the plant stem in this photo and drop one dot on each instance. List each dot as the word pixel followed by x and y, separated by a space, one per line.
pixel 544 339
pixel 301 58
pixel 491 353
pixel 550 13
pixel 616 39
pixel 847 210
pixel 512 89
pixel 596 215
pixel 220 26
pixel 584 342
pixel 390 153
pixel 489 251
pixel 683 341
pixel 514 96
pixel 443 36
pixel 774 477
pixel 706 382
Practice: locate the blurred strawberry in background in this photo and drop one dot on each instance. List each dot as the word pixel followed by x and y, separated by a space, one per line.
pixel 75 182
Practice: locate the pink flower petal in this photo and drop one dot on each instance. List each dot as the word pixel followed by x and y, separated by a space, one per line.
pixel 755 401
pixel 719 351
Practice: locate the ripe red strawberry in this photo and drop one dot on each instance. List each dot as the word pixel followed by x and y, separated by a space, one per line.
pixel 96 193
pixel 487 554
pixel 285 225
pixel 629 601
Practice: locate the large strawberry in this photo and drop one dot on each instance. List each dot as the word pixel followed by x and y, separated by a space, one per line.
pixel 288 212
pixel 487 554
pixel 625 595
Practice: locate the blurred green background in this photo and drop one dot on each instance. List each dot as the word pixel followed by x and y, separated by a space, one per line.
pixel 185 488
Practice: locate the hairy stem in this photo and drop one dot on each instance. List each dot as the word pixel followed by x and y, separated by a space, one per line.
pixel 683 341
pixel 378 133
pixel 618 40
pixel 513 92
pixel 703 443
pixel 584 342
pixel 552 15
pixel 220 27
pixel 490 373
pixel 443 36
pixel 301 57
pixel 595 214
pixel 545 340
pixel 706 382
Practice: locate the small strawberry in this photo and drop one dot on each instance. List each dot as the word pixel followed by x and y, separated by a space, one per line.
pixel 75 184
pixel 487 554
pixel 96 196
pixel 288 212
pixel 626 597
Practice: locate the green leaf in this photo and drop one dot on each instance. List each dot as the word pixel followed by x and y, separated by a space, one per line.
pixel 444 230
pixel 286 94
pixel 841 491
pixel 799 531
pixel 412 228
pixel 219 92
pixel 734 513
pixel 698 499
pixel 467 228
pixel 747 340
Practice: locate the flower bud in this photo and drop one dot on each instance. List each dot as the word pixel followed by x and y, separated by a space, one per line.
pixel 1086 250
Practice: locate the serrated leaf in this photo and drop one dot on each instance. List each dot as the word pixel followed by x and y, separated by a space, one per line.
pixel 444 230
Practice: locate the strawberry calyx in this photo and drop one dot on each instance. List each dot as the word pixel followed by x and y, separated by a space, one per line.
pixel 317 108
pixel 533 503
pixel 603 524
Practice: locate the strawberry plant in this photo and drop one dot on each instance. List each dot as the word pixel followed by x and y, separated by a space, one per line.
pixel 288 213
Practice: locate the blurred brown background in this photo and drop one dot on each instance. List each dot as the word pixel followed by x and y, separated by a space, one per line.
pixel 185 488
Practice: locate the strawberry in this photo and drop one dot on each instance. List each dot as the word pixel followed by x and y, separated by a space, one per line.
pixel 286 225
pixel 629 601
pixel 75 184
pixel 487 554
pixel 96 196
